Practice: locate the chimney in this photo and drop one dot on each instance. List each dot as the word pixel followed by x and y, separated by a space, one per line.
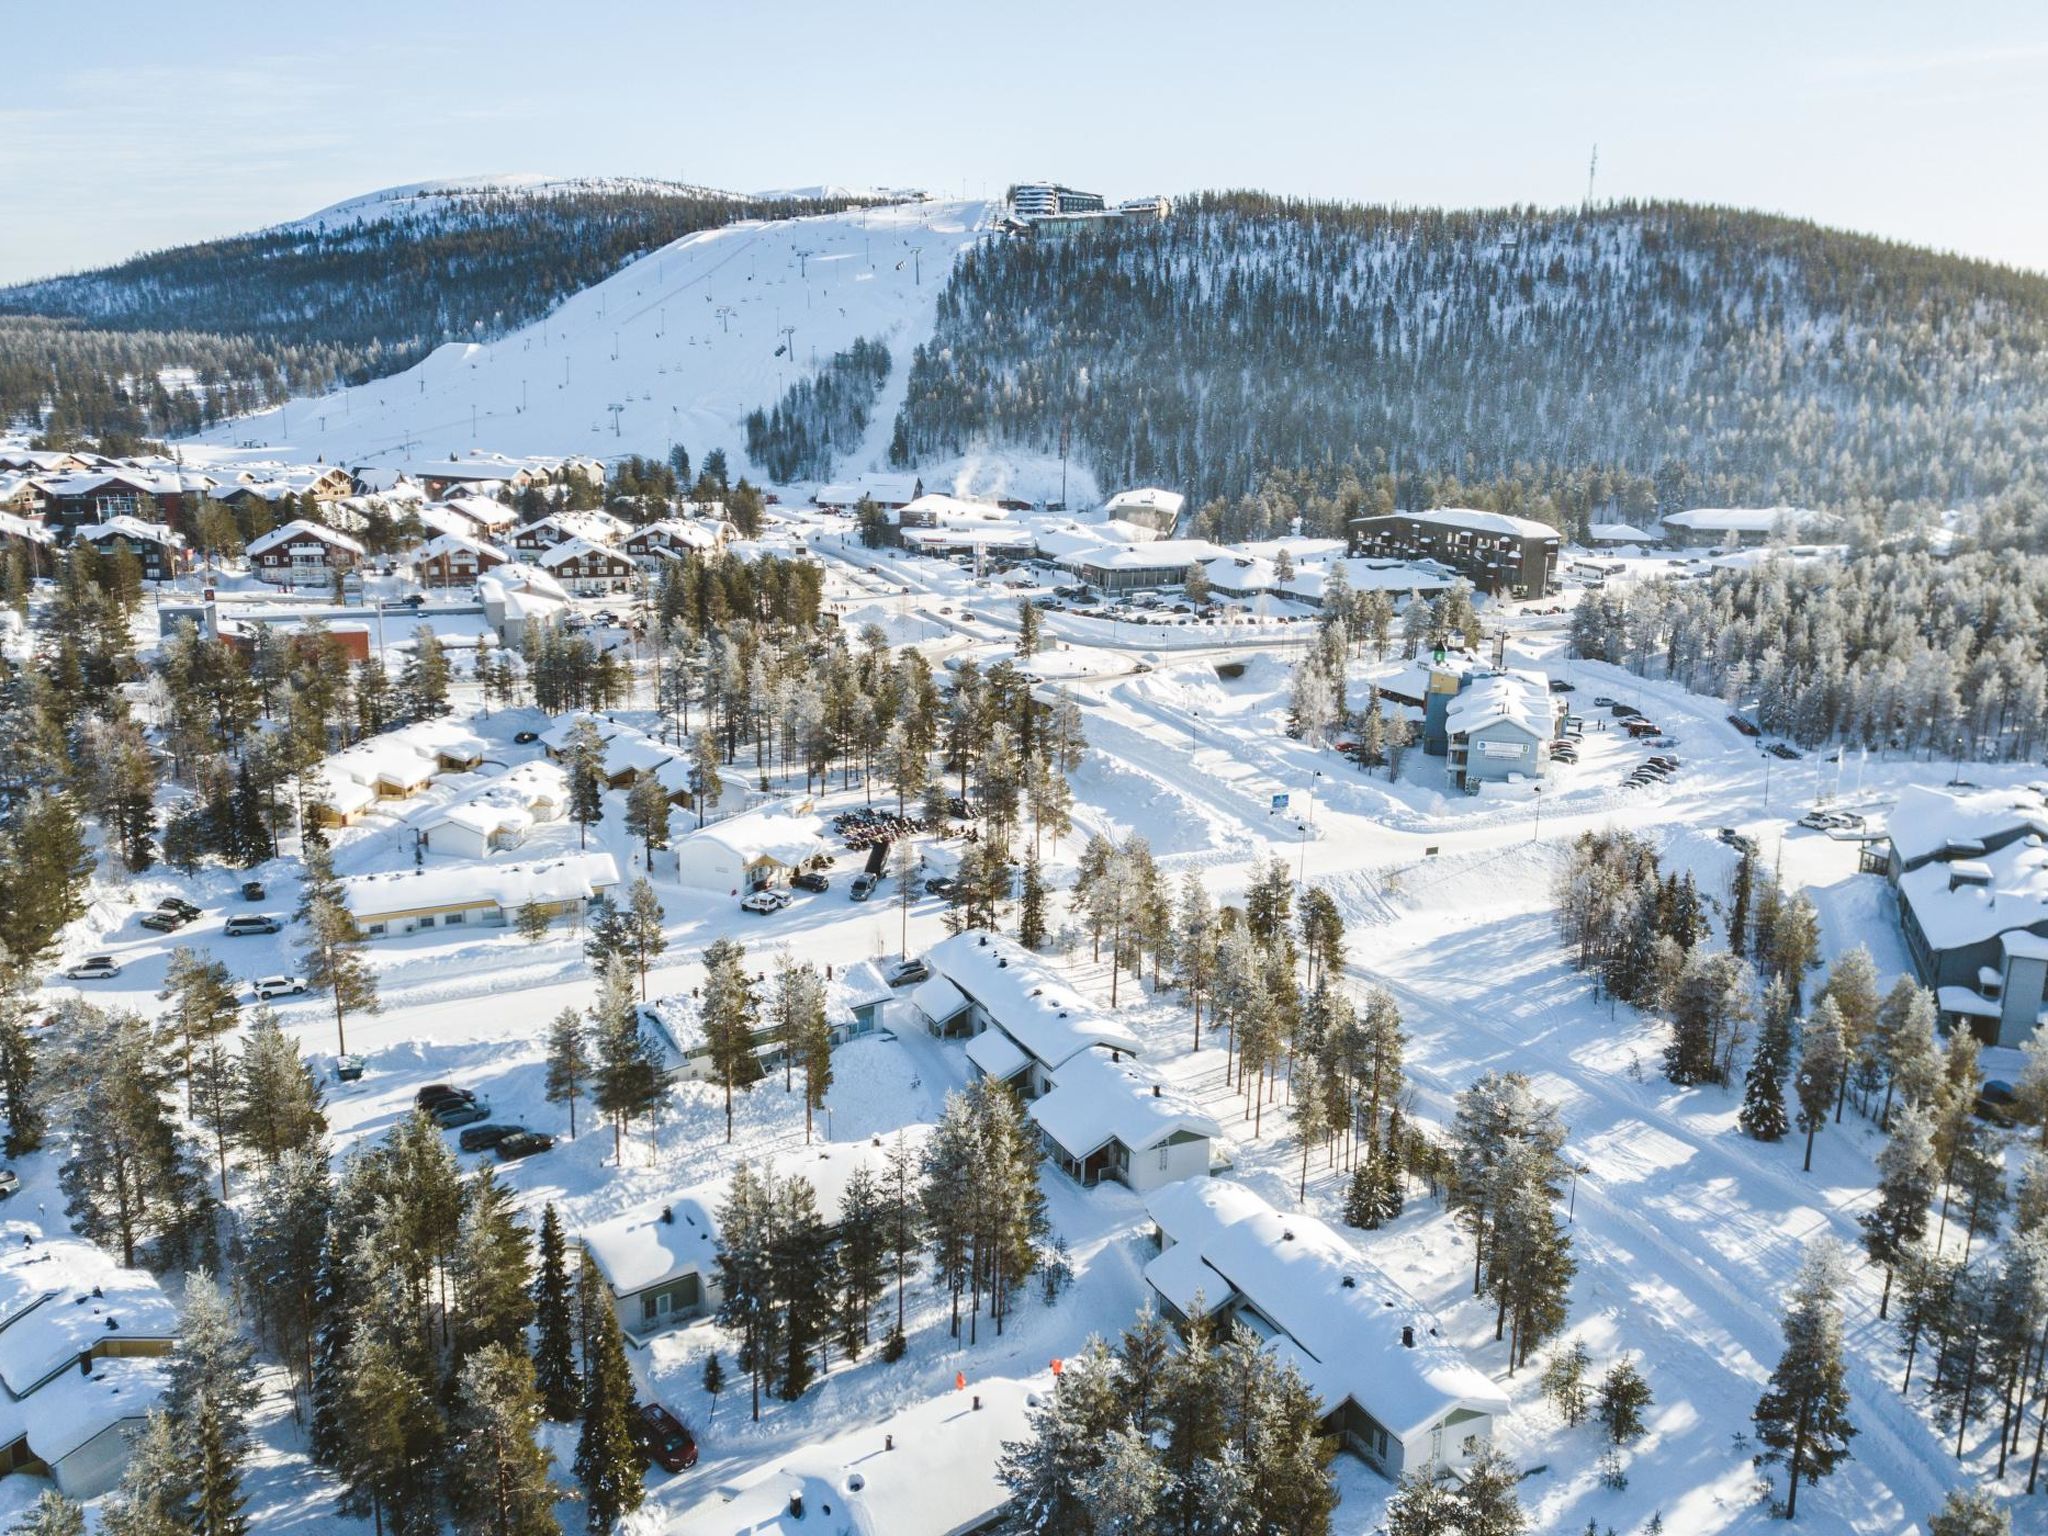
pixel 796 1506
pixel 1407 1336
pixel 85 1362
pixel 1155 1090
pixel 668 1216
pixel 888 1442
pixel 977 1402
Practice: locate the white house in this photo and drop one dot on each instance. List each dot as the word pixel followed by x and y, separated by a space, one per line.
pixel 995 986
pixel 303 554
pixel 660 1263
pixel 744 853
pixel 501 814
pixel 1146 505
pixel 926 1470
pixel 80 1341
pixel 1500 725
pixel 1391 1386
pixel 1107 1119
pixel 475 895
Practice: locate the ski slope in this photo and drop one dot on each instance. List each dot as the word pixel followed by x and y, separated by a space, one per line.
pixel 677 346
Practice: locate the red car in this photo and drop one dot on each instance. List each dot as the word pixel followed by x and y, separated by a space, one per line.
pixel 662 1439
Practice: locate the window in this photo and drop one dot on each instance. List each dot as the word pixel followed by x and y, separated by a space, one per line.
pixel 1162 1157
pixel 455 917
pixel 376 930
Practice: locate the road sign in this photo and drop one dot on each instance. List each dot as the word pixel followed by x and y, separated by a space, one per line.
pixel 1280 802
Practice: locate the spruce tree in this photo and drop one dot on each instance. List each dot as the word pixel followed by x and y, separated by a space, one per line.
pixel 1564 1383
pixel 584 754
pixel 1802 1419
pixel 713 1379
pixel 554 1343
pixel 1763 1092
pixel 647 815
pixel 863 1258
pixel 746 1278
pixel 627 1078
pixel 211 1368
pixel 1624 1399
pixel 217 1500
pixel 1970 1512
pixel 607 1463
pixel 53 1515
pixel 491 1268
pixel 278 1104
pixel 803 1284
pixel 21 1094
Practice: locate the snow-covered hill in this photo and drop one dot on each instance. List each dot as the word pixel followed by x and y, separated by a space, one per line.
pixel 677 346
pixel 433 199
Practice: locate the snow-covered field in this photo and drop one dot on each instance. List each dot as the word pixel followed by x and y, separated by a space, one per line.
pixel 1686 1233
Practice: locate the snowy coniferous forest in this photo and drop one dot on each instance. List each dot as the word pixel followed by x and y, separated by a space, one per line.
pixel 1738 358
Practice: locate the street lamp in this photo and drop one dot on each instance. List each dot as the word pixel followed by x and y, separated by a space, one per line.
pixel 1536 799
pixel 1956 777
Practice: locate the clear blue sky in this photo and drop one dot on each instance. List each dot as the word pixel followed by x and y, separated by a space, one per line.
pixel 131 124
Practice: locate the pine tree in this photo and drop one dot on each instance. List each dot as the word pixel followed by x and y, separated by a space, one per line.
pixel 1970 1512
pixel 1820 1067
pixel 1031 917
pixel 217 1499
pixel 499 1479
pixel 627 1082
pixel 533 918
pixel 568 1062
pixel 333 962
pixel 645 940
pixel 1492 1506
pixel 803 1285
pixel 278 1105
pixel 21 1094
pixel 1802 1419
pixel 211 1368
pixel 286 1231
pixel 746 1308
pixel 584 754
pixel 1564 1383
pixel 491 1268
pixel 647 814
pixel 1906 1180
pixel 1738 904
pixel 203 1004
pixel 607 1464
pixel 554 1344
pixel 1624 1399
pixel 53 1515
pixel 1425 1503
pixel 714 1379
pixel 731 1015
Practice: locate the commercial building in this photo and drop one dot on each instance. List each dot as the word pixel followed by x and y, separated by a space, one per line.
pixel 1140 567
pixel 746 853
pixel 1499 726
pixel 1498 554
pixel 1048 199
pixel 1971 873
pixel 1391 1387
pixel 1735 527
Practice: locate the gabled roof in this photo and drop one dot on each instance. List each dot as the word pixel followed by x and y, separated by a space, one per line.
pixel 61 1297
pixel 572 877
pixel 763 834
pixel 133 529
pixel 1094 1100
pixel 1343 1315
pixel 1026 998
pixel 1521 698
pixel 299 528
pixel 576 548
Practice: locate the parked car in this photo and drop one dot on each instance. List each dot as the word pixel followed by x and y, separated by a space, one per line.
pixel 1559 685
pixel 1743 726
pixel 908 972
pixel 526 738
pixel 1785 752
pixel 765 902
pixel 524 1143
pixel 1997 1103
pixel 10 1181
pixel 938 885
pixel 481 1138
pixel 162 922
pixel 1601 701
pixel 437 1093
pixel 450 1113
pixel 252 890
pixel 261 922
pixel 95 968
pixel 813 880
pixel 863 886
pixel 661 1438
pixel 184 909
pixel 268 987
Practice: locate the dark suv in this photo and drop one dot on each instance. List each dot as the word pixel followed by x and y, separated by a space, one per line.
pixel 661 1438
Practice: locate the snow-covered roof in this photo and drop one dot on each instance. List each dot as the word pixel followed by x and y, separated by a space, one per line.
pixel 1521 697
pixel 1343 1315
pixel 887 490
pixel 23 528
pixel 1157 554
pixel 62 1296
pixel 481 510
pixel 1094 1099
pixel 74 1408
pixel 926 1470
pixel 937 999
pixel 1927 821
pixel 512 801
pixel 457 544
pixel 299 528
pixel 1145 498
pixel 954 509
pixel 774 835
pixel 131 528
pixel 860 985
pixel 1363 575
pixel 1739 519
pixel 576 548
pixel 1473 520
pixel 1618 533
pixel 987 535
pixel 571 877
pixel 1967 901
pixel 676 530
pixel 1026 998
pixel 995 1053
pixel 640 1249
